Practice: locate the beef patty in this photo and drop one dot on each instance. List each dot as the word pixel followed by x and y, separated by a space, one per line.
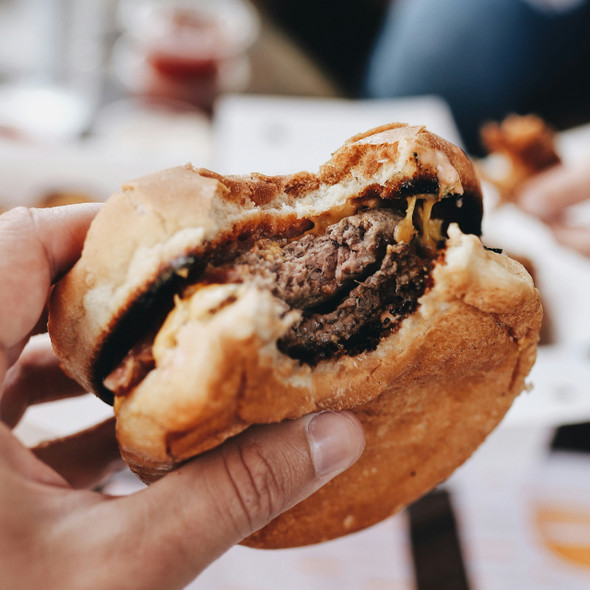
pixel 353 284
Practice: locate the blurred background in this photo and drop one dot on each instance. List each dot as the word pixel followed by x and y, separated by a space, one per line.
pixel 62 62
pixel 95 92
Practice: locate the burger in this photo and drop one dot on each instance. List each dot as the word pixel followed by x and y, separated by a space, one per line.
pixel 203 304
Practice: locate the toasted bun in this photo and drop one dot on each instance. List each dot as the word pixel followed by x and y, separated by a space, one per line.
pixel 427 395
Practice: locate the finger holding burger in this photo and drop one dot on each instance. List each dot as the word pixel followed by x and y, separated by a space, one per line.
pixel 551 194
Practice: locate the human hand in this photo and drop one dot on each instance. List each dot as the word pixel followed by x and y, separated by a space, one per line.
pixel 53 533
pixel 548 196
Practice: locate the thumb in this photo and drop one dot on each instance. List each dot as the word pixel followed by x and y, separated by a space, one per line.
pixel 202 509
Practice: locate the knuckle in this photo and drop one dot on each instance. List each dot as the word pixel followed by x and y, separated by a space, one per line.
pixel 17 217
pixel 258 489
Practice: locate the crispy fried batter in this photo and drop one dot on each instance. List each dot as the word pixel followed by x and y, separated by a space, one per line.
pixel 526 143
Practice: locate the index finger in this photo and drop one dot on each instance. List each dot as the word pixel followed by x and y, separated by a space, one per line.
pixel 547 194
pixel 577 238
pixel 37 246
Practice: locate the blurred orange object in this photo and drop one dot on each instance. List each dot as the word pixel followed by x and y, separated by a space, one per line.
pixel 63 197
pixel 526 143
pixel 565 532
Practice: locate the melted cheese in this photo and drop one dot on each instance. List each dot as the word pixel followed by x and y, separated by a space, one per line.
pixel 405 230
pixel 431 232
pixel 336 214
pixel 428 231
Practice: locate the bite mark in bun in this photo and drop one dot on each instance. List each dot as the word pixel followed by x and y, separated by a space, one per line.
pixel 228 301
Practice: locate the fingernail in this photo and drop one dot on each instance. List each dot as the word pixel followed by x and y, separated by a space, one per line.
pixel 336 440
pixel 530 202
pixel 527 201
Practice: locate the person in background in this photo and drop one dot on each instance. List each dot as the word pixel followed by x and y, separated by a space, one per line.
pixel 57 534
pixel 486 58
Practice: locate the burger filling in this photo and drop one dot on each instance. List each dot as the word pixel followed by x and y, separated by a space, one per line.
pixel 353 283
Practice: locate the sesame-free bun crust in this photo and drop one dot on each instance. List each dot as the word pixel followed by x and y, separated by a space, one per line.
pixel 427 395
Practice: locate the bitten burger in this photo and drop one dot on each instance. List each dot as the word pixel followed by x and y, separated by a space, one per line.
pixel 204 304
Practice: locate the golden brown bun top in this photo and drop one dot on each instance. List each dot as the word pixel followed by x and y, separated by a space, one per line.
pixel 160 222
